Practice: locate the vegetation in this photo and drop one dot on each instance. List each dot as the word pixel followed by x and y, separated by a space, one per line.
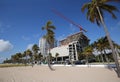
pixel 50 38
pixel 56 55
pixel 11 65
pixel 96 9
pixel 103 52
pixel 27 57
pixel 87 52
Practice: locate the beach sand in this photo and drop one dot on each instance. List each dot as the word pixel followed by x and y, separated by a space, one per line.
pixel 61 74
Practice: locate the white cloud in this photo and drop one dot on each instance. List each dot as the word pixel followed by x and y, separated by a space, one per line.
pixel 5 45
pixel 30 46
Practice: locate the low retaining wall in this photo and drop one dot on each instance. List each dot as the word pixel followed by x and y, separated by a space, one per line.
pixel 106 66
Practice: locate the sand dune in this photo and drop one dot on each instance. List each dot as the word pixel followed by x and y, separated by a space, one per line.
pixel 61 74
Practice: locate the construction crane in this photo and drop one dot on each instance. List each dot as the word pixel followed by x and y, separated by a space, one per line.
pixel 72 22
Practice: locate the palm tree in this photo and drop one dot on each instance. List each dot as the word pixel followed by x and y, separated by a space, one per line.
pixel 29 53
pixel 87 52
pixel 56 55
pixel 35 50
pixel 25 55
pixel 100 47
pixel 95 14
pixel 15 58
pixel 19 55
pixel 40 57
pixel 49 38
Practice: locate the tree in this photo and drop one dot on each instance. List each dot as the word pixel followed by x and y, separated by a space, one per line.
pixel 87 52
pixel 19 55
pixel 29 53
pixel 49 38
pixel 25 55
pixel 95 14
pixel 56 55
pixel 35 50
pixel 40 57
pixel 16 57
pixel 102 46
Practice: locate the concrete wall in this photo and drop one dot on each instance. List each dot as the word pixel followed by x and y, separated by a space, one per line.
pixel 61 50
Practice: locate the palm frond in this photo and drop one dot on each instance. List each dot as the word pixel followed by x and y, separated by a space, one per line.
pixel 52 27
pixel 43 28
pixel 110 9
pixel 106 1
pixel 48 23
pixel 85 6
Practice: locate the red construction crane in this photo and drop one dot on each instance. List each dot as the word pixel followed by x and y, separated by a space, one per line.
pixel 61 15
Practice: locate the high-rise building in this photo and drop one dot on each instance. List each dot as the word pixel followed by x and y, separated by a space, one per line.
pixel 43 46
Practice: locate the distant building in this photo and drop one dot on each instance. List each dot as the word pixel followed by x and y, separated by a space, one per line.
pixel 70 46
pixel 43 46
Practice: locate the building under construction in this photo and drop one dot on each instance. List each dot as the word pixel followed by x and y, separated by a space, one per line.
pixel 70 46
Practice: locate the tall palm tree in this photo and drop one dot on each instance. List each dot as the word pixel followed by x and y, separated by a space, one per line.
pixel 35 50
pixel 87 52
pixel 29 53
pixel 26 58
pixel 56 55
pixel 95 14
pixel 40 57
pixel 15 58
pixel 19 55
pixel 49 38
pixel 100 47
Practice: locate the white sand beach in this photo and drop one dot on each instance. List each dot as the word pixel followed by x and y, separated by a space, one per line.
pixel 61 74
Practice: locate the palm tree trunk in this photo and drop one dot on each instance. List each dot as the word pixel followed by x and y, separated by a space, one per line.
pixel 110 42
pixel 106 58
pixel 101 55
pixel 99 59
pixel 26 60
pixel 32 60
pixel 87 61
pixel 48 60
pixel 56 59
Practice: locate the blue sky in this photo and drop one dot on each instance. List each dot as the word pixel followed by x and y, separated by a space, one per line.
pixel 21 22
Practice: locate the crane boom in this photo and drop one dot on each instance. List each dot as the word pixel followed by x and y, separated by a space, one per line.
pixel 61 15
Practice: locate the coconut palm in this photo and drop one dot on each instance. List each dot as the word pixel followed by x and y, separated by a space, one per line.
pixel 100 47
pixel 15 58
pixel 87 52
pixel 40 57
pixel 49 38
pixel 95 14
pixel 56 55
pixel 35 50
pixel 29 53
pixel 19 55
pixel 26 58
